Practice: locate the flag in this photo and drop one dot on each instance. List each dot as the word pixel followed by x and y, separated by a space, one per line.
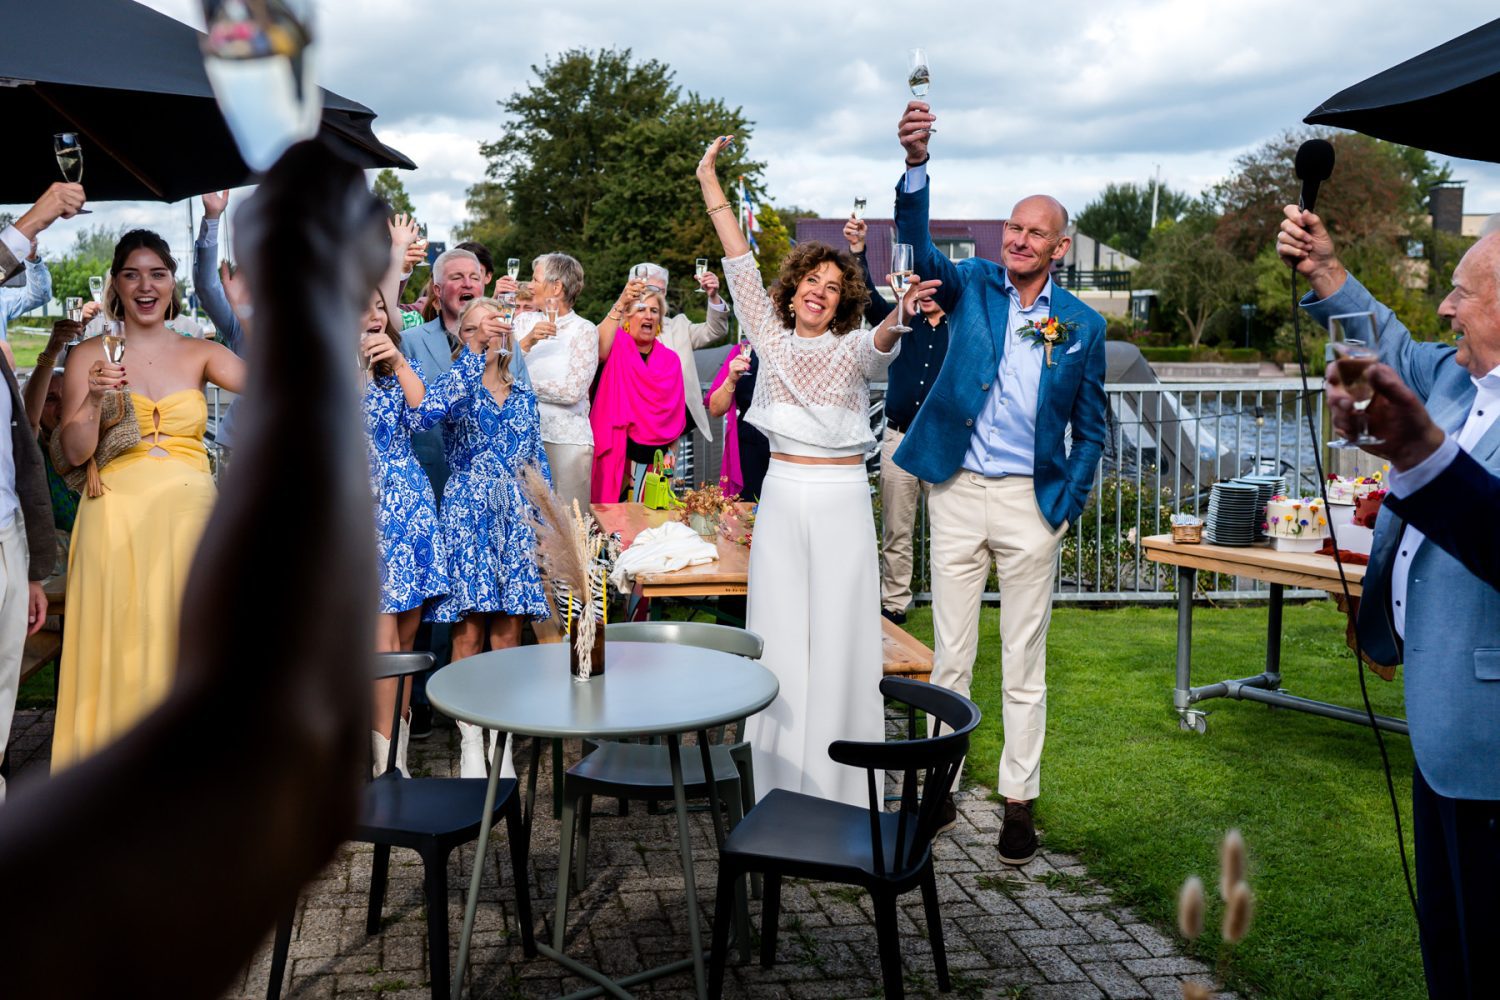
pixel 748 223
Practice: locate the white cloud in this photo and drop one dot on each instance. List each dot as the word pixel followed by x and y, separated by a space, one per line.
pixel 1060 97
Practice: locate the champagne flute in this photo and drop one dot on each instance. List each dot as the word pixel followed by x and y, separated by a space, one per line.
pixel 859 208
pixel 74 306
pixel 364 357
pixel 114 341
pixel 700 268
pixel 69 152
pixel 902 278
pixel 640 273
pixel 96 288
pixel 918 76
pixel 421 240
pixel 1355 343
pixel 513 268
pixel 551 310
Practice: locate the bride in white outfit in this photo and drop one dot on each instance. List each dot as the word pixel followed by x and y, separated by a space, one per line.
pixel 814 591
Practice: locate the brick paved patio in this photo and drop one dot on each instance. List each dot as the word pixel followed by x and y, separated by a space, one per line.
pixel 1039 932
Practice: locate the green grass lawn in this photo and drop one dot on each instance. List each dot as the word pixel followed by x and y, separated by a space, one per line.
pixel 26 346
pixel 1144 805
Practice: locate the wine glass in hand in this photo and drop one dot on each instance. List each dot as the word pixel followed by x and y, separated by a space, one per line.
pixel 902 278
pixel 1355 342
pixel 640 273
pixel 69 152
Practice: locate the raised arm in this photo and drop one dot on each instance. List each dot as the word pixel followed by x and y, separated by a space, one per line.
pixel 610 324
pixel 208 279
pixel 855 231
pixel 35 394
pixel 725 224
pixel 715 327
pixel 912 207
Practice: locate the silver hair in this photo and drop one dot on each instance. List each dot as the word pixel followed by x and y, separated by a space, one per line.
pixel 445 257
pixel 561 267
pixel 653 271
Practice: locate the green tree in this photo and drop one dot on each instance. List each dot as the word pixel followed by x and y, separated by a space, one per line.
pixel 97 243
pixel 1121 214
pixel 70 274
pixel 772 242
pixel 1192 274
pixel 389 189
pixel 597 161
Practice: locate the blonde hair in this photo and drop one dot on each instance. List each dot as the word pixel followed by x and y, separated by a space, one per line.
pixel 661 305
pixel 503 362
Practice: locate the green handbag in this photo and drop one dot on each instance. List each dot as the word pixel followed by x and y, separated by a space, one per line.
pixel 656 488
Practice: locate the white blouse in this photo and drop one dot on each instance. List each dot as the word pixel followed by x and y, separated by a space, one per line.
pixel 562 369
pixel 812 390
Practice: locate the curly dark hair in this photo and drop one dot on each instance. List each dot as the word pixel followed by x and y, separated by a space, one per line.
pixel 805 258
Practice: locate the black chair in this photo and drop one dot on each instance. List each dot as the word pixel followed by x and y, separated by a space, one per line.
pixel 887 853
pixel 643 771
pixel 431 816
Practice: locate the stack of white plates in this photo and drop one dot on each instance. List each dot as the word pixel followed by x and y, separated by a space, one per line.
pixel 1266 488
pixel 1233 515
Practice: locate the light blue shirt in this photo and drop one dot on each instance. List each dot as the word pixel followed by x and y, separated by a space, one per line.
pixel 1004 439
pixel 16 301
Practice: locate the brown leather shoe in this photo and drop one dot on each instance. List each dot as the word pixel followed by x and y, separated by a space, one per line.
pixel 1017 834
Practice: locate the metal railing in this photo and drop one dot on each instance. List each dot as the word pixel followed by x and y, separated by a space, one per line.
pixel 1165 446
pixel 1075 279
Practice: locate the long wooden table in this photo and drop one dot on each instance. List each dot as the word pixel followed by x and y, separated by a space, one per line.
pixel 903 653
pixel 1303 570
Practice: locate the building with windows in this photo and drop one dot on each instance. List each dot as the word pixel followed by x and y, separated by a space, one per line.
pixel 1095 272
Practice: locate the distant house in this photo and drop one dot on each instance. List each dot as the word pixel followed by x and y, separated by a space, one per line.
pixel 1095 272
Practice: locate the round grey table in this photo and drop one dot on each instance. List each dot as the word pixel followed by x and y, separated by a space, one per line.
pixel 647 689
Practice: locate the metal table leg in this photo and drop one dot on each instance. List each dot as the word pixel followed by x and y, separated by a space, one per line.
pixel 1182 694
pixel 685 847
pixel 479 853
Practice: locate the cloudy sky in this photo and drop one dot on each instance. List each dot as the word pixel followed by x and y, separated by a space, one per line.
pixel 1060 97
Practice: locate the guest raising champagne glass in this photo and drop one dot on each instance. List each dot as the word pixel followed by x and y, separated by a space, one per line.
pixel 814 591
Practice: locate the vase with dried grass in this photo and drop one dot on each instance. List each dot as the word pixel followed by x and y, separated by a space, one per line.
pixel 574 554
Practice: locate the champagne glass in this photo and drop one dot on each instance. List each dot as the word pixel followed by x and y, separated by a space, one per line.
pixel 114 341
pixel 640 273
pixel 902 278
pixel 69 152
pixel 551 310
pixel 74 306
pixel 859 208
pixel 513 268
pixel 700 268
pixel 261 61
pixel 1355 343
pixel 918 76
pixel 96 288
pixel 364 357
pixel 421 240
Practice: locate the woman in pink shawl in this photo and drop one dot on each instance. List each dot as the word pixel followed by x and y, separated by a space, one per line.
pixel 640 406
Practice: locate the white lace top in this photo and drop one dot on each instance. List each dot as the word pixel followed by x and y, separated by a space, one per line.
pixel 561 370
pixel 814 390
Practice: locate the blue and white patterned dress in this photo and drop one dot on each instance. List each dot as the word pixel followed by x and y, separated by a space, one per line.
pixel 413 563
pixel 486 523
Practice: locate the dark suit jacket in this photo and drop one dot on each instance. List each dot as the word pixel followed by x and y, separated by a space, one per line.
pixel 31 483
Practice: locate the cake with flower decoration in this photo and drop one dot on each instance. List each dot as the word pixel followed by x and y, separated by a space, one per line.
pixel 1296 522
pixel 1367 509
pixel 1347 490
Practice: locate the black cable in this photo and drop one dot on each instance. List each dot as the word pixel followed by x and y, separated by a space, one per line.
pixel 1359 657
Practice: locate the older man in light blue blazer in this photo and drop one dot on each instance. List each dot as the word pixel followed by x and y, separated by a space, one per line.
pixel 1429 596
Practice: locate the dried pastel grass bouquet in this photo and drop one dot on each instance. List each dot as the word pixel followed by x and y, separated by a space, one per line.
pixel 569 544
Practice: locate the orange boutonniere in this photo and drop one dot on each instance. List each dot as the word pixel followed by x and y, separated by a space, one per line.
pixel 1047 333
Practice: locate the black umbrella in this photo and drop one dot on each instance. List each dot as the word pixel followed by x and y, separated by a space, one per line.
pixel 1422 101
pixel 130 81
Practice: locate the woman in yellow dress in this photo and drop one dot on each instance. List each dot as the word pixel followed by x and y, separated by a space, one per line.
pixel 133 545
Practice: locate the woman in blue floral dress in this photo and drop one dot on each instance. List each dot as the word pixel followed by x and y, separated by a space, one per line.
pixel 413 565
pixel 490 434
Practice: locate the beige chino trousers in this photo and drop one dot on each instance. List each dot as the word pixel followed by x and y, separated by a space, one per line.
pixel 976 520
pixel 900 493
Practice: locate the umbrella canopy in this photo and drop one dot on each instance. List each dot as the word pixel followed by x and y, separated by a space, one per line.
pixel 1434 101
pixel 130 81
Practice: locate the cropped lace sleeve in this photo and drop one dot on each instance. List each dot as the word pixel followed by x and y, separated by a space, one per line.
pixel 444 392
pixel 751 302
pixel 872 360
pixel 583 359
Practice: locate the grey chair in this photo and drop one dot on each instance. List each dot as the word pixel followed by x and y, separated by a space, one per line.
pixel 643 771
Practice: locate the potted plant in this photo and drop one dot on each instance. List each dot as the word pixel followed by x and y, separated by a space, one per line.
pixel 703 507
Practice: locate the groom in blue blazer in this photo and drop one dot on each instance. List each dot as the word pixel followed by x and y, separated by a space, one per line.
pixel 1025 364
pixel 1430 597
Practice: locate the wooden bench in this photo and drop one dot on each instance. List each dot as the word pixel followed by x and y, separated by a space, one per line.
pixel 905 655
pixel 41 649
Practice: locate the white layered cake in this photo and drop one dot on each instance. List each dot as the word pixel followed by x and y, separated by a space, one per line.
pixel 1347 490
pixel 1297 524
